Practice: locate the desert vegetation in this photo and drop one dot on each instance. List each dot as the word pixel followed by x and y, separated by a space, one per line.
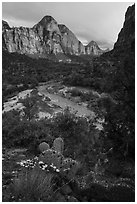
pixel 51 151
pixel 105 157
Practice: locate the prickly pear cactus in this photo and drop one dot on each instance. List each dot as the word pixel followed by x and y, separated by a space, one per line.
pixel 43 146
pixel 52 157
pixel 58 145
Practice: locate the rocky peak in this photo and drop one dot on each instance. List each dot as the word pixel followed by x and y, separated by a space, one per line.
pixel 93 49
pixel 93 43
pixel 47 19
pixel 46 22
pixel 49 24
pixel 5 25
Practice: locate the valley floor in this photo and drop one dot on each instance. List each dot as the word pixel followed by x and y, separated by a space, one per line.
pixel 57 98
pixel 52 98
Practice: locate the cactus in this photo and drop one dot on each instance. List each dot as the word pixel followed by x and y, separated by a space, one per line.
pixel 54 157
pixel 58 145
pixel 43 146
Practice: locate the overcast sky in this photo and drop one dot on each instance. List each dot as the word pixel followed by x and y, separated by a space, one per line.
pixel 98 21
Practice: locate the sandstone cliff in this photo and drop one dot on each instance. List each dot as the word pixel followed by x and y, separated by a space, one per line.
pixel 48 31
pixel 93 48
pixel 45 38
pixel 70 44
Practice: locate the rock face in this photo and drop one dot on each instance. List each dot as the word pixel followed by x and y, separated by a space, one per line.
pixel 70 44
pixel 21 40
pixel 46 37
pixel 126 37
pixel 50 36
pixel 93 48
pixel 43 38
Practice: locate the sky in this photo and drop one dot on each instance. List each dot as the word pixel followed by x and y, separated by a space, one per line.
pixel 98 21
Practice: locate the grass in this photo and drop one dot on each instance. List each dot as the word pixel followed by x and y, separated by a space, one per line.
pixel 33 186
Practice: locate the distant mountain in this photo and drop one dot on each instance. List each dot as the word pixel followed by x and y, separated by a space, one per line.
pixel 94 49
pixel 45 38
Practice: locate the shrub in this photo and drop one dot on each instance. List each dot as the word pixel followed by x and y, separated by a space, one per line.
pixel 23 133
pixel 76 92
pixel 79 134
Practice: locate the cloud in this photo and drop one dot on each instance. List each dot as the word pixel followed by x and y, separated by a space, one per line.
pixel 17 22
pixel 105 44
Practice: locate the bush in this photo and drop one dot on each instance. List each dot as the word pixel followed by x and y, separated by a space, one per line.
pixel 23 133
pixel 76 92
pixel 80 136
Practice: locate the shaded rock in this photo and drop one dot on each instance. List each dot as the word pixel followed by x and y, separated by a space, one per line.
pixel 126 37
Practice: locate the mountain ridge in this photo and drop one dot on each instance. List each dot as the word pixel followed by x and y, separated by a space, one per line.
pixel 45 37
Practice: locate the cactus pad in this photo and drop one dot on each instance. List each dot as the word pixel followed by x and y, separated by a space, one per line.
pixel 43 146
pixel 52 157
pixel 58 145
